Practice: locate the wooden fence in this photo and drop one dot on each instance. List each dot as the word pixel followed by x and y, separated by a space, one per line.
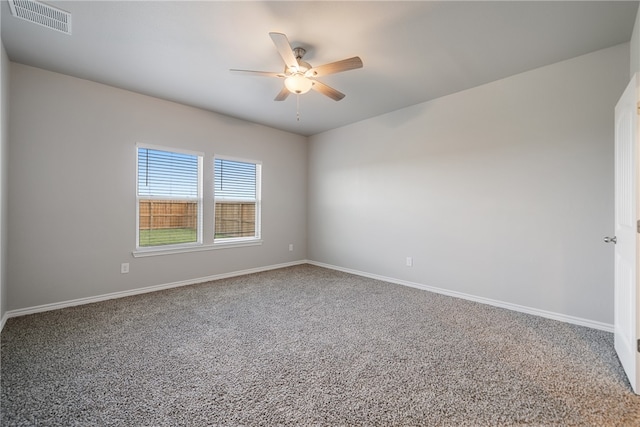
pixel 161 214
pixel 235 219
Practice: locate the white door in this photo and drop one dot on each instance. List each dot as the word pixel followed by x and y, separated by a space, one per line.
pixel 626 209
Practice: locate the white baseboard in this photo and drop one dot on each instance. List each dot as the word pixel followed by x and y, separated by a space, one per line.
pixel 509 306
pixel 114 295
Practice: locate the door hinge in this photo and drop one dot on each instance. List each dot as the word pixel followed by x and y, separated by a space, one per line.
pixel 638 226
pixel 638 108
pixel 638 346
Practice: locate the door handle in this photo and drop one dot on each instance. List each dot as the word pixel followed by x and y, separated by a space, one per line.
pixel 613 240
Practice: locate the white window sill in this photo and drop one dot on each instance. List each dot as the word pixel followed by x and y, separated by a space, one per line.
pixel 147 252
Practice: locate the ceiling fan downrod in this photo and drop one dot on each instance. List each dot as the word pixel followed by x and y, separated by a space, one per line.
pixel 299 52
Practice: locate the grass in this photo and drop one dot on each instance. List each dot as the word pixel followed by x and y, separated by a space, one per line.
pixel 175 236
pixel 167 236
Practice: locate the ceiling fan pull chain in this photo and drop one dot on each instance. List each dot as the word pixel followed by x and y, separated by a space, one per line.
pixel 298 107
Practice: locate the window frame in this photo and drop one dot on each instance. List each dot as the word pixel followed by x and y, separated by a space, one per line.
pixel 199 199
pixel 234 241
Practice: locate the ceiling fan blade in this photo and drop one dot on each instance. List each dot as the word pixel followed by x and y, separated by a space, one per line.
pixel 258 73
pixel 282 95
pixel 285 50
pixel 335 67
pixel 327 90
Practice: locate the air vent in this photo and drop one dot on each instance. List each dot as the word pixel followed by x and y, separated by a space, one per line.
pixel 41 14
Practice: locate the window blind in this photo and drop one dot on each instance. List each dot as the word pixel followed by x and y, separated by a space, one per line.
pixel 234 180
pixel 167 174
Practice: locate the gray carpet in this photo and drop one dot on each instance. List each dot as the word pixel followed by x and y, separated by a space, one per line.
pixel 306 346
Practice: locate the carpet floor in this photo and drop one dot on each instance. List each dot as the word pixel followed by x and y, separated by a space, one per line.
pixel 304 346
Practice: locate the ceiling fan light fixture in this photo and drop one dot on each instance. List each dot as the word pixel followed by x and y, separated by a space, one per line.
pixel 297 83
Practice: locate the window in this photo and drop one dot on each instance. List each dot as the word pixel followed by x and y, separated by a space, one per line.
pixel 169 197
pixel 237 199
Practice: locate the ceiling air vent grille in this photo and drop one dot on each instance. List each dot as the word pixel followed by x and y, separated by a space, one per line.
pixel 41 14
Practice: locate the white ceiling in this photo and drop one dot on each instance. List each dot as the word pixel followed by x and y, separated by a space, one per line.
pixel 412 51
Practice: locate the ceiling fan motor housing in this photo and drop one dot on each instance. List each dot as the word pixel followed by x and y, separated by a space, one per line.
pixel 302 65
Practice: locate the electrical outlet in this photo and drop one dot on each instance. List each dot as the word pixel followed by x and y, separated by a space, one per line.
pixel 290 247
pixel 409 261
pixel 124 268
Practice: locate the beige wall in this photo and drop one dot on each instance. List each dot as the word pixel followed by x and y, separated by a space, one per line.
pixel 72 175
pixel 503 191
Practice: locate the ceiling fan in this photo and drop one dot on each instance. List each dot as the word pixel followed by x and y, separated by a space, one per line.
pixel 299 76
